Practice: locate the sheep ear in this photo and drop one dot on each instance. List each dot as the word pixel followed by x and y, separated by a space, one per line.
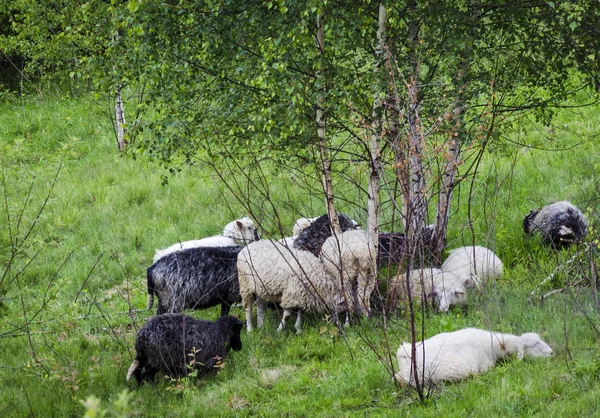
pixel 239 224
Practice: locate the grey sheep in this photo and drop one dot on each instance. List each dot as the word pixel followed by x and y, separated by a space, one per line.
pixel 196 278
pixel 559 224
pixel 176 344
pixel 313 236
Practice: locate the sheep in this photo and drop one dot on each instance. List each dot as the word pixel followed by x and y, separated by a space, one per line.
pixel 444 288
pixel 391 248
pixel 452 356
pixel 559 224
pixel 269 271
pixel 301 224
pixel 196 278
pixel 176 344
pixel 238 232
pixel 351 255
pixel 475 265
pixel 312 237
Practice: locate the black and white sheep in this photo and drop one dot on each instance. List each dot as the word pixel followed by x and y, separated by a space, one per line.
pixel 559 224
pixel 452 356
pixel 313 236
pixel 239 232
pixel 474 265
pixel 195 278
pixel 176 344
pixel 269 271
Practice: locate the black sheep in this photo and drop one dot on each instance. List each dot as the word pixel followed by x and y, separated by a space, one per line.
pixel 176 344
pixel 195 278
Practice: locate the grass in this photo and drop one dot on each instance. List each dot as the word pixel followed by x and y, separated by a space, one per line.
pixel 68 322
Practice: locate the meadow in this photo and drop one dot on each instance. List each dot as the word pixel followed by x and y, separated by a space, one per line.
pixel 79 223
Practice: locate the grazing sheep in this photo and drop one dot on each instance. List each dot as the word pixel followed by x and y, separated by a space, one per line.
pixel 238 232
pixel 313 236
pixel 559 224
pixel 176 344
pixel 443 288
pixel 475 265
pixel 452 356
pixel 357 266
pixel 195 278
pixel 271 272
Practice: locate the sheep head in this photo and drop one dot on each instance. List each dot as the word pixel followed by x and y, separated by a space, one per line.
pixel 533 346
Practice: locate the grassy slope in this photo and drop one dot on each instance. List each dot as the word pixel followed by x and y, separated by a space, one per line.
pixel 112 212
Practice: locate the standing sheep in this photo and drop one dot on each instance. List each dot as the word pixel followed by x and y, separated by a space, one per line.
pixel 559 224
pixel 313 236
pixel 175 344
pixel 452 356
pixel 195 278
pixel 351 260
pixel 443 288
pixel 271 272
pixel 301 224
pixel 474 265
pixel 238 232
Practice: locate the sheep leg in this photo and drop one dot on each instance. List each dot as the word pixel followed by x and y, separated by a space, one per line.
pixel 298 324
pixel 248 307
pixel 225 307
pixel 260 315
pixel 286 314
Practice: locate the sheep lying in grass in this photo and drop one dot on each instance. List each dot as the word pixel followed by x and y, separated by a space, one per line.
pixel 196 278
pixel 351 255
pixel 238 232
pixel 271 272
pixel 444 289
pixel 475 265
pixel 176 344
pixel 559 224
pixel 313 236
pixel 453 356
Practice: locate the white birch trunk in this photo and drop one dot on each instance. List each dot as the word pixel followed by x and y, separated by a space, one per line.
pixel 120 120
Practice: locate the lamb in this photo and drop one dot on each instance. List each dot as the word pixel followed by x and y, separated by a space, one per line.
pixel 238 232
pixel 444 288
pixel 312 237
pixel 196 278
pixel 269 271
pixel 475 265
pixel 559 224
pixel 452 356
pixel 176 344
pixel 351 255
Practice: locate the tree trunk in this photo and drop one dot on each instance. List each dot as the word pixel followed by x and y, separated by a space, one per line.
pixel 321 133
pixel 120 120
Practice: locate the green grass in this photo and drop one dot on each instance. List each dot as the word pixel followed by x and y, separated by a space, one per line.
pixel 107 213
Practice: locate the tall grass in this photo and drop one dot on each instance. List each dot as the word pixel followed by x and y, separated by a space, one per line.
pixel 68 321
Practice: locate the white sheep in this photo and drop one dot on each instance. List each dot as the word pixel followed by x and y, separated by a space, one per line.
pixel 350 254
pixel 452 356
pixel 239 232
pixel 445 289
pixel 301 224
pixel 475 265
pixel 269 271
